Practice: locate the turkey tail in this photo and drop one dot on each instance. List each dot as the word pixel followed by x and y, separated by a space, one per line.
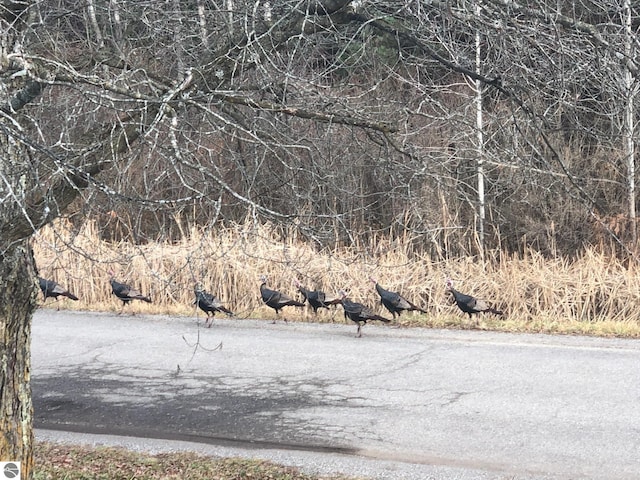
pixel 382 319
pixel 226 310
pixel 144 299
pixel 70 295
pixel 494 311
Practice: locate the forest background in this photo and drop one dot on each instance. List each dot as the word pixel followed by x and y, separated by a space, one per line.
pixel 412 141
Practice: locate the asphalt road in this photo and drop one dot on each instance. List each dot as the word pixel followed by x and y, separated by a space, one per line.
pixel 396 403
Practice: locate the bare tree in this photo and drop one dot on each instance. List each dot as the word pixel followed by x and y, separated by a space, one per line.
pixel 480 137
pixel 630 87
pixel 133 89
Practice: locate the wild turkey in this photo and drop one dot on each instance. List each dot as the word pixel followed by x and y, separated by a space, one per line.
pixel 54 290
pixel 126 293
pixel 275 299
pixel 394 302
pixel 209 304
pixel 469 304
pixel 317 298
pixel 358 313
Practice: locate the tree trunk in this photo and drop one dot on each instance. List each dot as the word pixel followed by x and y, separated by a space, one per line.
pixel 479 141
pixel 17 303
pixel 629 123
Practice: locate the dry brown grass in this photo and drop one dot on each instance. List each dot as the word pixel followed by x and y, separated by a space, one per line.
pixel 593 294
pixel 68 462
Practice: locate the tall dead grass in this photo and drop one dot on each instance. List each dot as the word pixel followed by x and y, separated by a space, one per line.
pixel 592 294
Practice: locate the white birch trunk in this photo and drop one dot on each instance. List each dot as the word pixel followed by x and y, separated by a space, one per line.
pixel 629 123
pixel 479 143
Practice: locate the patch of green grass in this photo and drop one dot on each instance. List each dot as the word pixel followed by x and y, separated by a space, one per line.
pixel 64 462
